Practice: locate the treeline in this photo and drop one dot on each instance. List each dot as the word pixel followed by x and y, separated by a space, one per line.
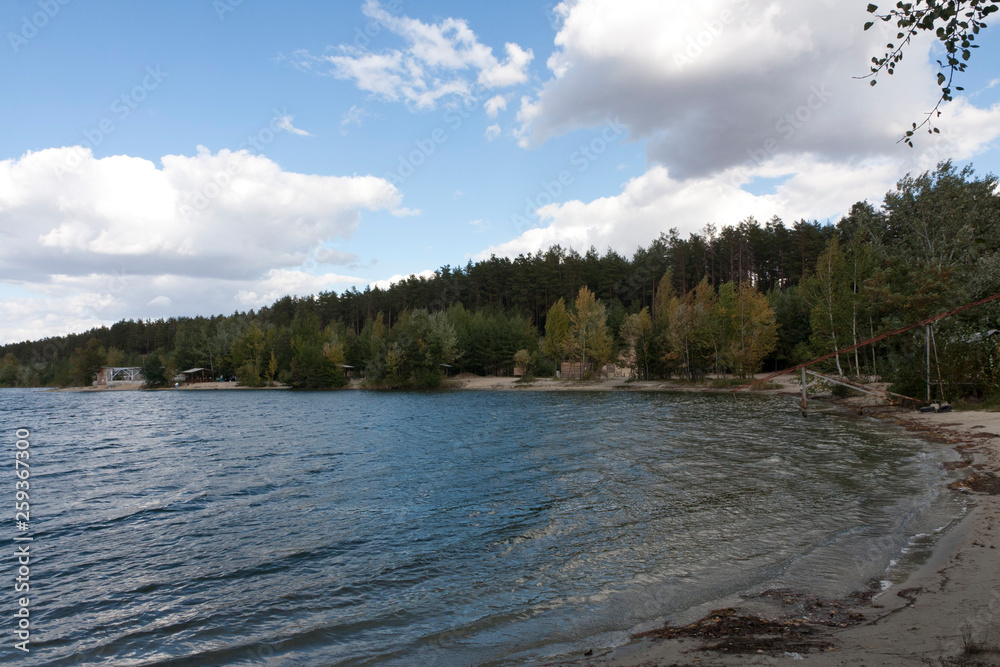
pixel 734 300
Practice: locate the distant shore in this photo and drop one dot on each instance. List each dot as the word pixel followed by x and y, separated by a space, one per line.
pixel 196 386
pixel 482 383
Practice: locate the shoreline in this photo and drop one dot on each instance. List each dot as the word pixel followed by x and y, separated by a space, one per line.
pixel 946 606
pixel 946 611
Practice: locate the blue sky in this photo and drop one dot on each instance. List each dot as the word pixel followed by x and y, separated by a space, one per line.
pixel 201 157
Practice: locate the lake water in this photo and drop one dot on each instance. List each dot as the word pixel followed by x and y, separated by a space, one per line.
pixel 446 528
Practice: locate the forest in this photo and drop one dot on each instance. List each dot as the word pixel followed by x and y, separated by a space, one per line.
pixel 733 299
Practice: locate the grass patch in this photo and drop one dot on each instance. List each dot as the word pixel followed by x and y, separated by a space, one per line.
pixel 989 404
pixel 764 386
pixel 840 391
pixel 728 383
pixel 724 383
pixel 973 645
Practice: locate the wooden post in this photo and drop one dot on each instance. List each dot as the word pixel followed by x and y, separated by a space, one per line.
pixel 803 391
pixel 928 363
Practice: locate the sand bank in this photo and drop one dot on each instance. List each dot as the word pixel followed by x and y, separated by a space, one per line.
pixel 197 386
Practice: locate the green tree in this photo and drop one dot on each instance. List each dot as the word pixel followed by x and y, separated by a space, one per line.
pixel 152 370
pixel 939 238
pixel 317 355
pixel 9 370
pixel 557 324
pixel 707 327
pixel 637 342
pixel 828 295
pixel 427 342
pixel 86 361
pixel 250 354
pixel 754 331
pixel 955 23
pixel 372 347
pixel 590 329
pixel 664 303
pixel 522 360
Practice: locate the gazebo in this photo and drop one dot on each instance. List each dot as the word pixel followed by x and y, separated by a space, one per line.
pixel 193 375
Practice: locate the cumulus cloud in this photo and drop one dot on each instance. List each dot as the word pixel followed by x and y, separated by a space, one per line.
pixel 494 105
pixel 812 187
pixel 441 60
pixel 219 214
pixel 725 92
pixel 122 237
pixel 707 84
pixel 492 132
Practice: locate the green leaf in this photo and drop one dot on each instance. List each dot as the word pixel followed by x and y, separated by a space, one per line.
pixel 872 8
pixel 869 24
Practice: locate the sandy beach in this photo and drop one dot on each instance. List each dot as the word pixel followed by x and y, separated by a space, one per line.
pixel 197 386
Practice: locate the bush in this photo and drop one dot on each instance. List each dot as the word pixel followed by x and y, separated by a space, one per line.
pixel 153 371
pixel 840 391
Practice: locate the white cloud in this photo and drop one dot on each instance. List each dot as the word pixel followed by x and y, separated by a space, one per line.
pixel 441 60
pixel 399 277
pixel 354 116
pixel 512 71
pixel 494 105
pixel 707 83
pixel 281 282
pixel 324 255
pixel 817 187
pixel 403 212
pixel 492 132
pixel 213 214
pixel 722 92
pixel 102 239
pixel 285 123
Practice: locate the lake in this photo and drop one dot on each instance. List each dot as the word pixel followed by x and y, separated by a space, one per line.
pixel 441 528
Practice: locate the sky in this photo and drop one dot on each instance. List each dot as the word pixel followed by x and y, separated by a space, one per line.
pixel 202 157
